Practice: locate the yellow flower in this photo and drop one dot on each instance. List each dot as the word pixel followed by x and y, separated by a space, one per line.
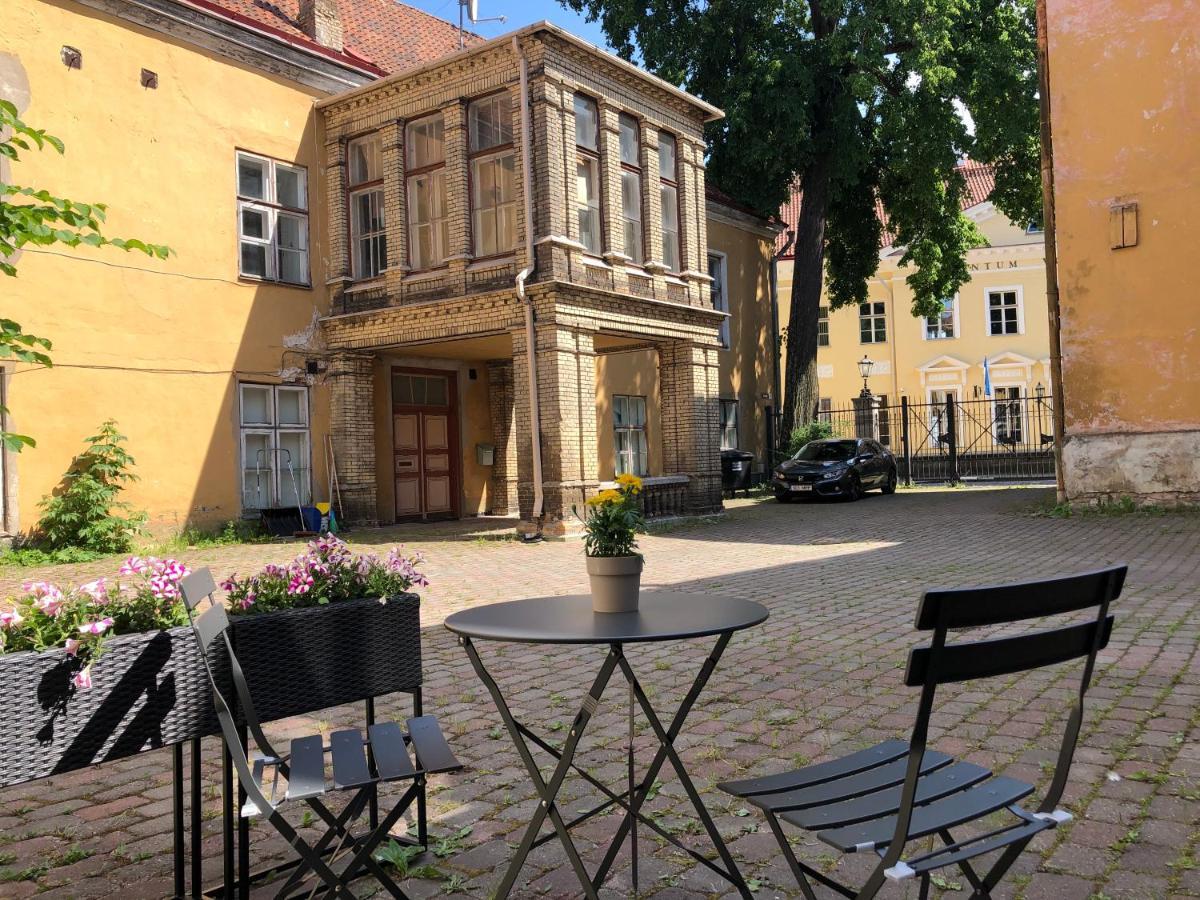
pixel 608 496
pixel 630 481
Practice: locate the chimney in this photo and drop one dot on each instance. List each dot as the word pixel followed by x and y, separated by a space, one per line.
pixel 322 22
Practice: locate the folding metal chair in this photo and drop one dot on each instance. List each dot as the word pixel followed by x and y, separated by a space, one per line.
pixel 878 800
pixel 358 765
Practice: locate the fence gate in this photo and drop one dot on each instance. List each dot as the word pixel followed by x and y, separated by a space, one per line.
pixel 1005 437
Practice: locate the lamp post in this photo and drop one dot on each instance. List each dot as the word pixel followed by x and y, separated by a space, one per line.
pixel 864 369
pixel 1039 391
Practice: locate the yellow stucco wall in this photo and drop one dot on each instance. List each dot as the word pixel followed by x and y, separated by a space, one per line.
pixel 1125 113
pixel 745 367
pixel 159 346
pixel 909 364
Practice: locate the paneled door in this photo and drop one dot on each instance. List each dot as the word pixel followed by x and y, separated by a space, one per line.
pixel 425 443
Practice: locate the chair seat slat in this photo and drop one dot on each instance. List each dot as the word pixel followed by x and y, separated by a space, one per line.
pixel 387 747
pixel 966 850
pixel 306 768
pixel 433 753
pixel 878 755
pixel 959 807
pixel 856 785
pixel 349 759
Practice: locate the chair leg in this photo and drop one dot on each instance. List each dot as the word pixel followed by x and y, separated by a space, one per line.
pixel 422 797
pixel 365 851
pixel 337 886
pixel 790 856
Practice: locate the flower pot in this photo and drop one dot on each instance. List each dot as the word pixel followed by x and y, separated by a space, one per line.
pixel 616 583
pixel 303 660
pixel 149 690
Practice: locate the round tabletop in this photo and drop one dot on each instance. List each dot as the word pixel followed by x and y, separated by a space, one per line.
pixel 661 616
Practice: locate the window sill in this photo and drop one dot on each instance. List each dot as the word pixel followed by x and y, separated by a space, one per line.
pixel 635 269
pixel 492 262
pixel 595 262
pixel 365 284
pixel 271 282
pixel 419 275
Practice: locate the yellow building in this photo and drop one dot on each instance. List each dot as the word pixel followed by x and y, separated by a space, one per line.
pixel 999 315
pixel 196 122
pixel 1123 107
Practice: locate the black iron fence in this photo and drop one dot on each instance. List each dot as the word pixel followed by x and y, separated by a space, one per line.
pixel 999 438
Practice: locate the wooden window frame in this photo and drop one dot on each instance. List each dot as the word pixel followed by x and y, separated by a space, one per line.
pixel 411 173
pixel 875 318
pixel 643 429
pixel 473 155
pixel 272 209
pixel 592 156
pixel 635 169
pixel 672 183
pixel 822 326
pixel 273 429
pixel 353 189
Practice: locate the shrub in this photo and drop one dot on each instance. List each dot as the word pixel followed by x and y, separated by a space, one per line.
pixel 84 511
pixel 807 432
pixel 613 519
pixel 326 573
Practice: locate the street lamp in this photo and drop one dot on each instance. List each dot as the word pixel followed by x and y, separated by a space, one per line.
pixel 864 369
pixel 1040 391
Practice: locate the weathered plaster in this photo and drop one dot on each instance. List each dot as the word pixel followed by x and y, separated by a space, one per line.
pixel 1150 467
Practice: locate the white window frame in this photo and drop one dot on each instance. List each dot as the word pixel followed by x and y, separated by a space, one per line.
pixel 272 209
pixel 353 192
pixel 275 473
pixel 433 175
pixel 721 286
pixel 731 403
pixel 1021 399
pixel 987 309
pixel 643 429
pixel 822 320
pixel 635 249
pixel 924 321
pixel 672 235
pixel 873 316
pixel 957 390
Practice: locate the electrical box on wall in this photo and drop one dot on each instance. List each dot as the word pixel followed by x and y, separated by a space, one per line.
pixel 485 454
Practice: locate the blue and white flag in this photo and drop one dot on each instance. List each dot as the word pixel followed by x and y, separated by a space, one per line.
pixel 987 379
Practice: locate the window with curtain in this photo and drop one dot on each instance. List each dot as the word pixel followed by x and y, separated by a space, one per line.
pixel 669 198
pixel 368 231
pixel 493 175
pixel 629 435
pixel 729 424
pixel 425 175
pixel 272 199
pixel 631 189
pixel 587 172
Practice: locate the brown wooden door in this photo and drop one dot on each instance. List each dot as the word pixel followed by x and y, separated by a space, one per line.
pixel 425 443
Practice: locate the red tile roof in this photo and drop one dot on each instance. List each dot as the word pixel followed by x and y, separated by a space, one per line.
pixel 980 181
pixel 381 36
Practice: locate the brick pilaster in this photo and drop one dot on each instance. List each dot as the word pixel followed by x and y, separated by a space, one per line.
pixel 458 203
pixel 502 498
pixel 395 204
pixel 688 393
pixel 352 425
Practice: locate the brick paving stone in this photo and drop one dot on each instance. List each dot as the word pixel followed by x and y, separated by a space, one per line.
pixel 820 677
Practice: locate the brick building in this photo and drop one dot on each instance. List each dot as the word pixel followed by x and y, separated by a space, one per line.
pixel 529 192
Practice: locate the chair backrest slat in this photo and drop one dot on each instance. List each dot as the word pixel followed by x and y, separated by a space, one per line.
pixel 210 626
pixel 979 606
pixel 197 585
pixel 1003 656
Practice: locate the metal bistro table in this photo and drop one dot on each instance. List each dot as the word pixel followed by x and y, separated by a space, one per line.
pixel 663 616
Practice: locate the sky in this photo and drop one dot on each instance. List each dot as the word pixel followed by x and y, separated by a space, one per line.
pixel 519 13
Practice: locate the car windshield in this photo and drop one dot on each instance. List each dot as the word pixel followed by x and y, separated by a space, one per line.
pixel 827 451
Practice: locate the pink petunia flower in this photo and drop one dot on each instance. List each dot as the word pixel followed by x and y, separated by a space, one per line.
pixel 83 679
pixel 10 619
pixel 135 565
pixel 97 590
pixel 98 627
pixel 72 646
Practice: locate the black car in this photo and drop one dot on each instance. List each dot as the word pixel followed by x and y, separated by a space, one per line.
pixel 835 468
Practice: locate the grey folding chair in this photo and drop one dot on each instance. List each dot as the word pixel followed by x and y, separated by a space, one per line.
pixel 880 799
pixel 358 765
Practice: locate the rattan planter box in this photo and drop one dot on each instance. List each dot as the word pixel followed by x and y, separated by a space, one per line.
pixel 303 660
pixel 149 691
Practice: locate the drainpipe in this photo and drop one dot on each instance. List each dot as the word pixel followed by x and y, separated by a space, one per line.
pixel 535 414
pixel 776 349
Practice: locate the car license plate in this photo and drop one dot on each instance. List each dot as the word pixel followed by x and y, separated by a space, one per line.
pixel 800 487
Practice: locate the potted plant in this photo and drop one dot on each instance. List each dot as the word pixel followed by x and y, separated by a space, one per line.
pixel 612 520
pixel 344 627
pixel 98 672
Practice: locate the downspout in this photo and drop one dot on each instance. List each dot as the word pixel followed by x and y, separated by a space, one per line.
pixel 1057 394
pixel 535 413
pixel 777 350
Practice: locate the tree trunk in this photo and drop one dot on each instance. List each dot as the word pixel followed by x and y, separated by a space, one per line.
pixel 801 391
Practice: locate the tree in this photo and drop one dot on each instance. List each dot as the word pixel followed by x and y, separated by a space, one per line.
pixel 859 102
pixel 38 217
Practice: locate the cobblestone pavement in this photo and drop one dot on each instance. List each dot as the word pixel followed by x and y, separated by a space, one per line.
pixel 820 677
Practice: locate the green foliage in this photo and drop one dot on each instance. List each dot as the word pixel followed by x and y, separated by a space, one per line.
pixel 613 519
pixel 85 511
pixel 808 432
pixel 31 216
pixel 33 557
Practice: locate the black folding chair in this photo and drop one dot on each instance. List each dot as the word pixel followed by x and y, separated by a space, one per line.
pixel 358 765
pixel 877 800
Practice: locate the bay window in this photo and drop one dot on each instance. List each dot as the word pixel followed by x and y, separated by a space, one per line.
pixel 493 176
pixel 587 172
pixel 631 189
pixel 368 236
pixel 275 451
pixel 272 199
pixel 669 200
pixel 425 173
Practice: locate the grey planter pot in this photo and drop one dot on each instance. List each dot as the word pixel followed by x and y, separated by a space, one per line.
pixel 616 583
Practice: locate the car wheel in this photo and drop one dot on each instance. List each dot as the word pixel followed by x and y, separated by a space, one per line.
pixel 856 488
pixel 783 497
pixel 889 486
